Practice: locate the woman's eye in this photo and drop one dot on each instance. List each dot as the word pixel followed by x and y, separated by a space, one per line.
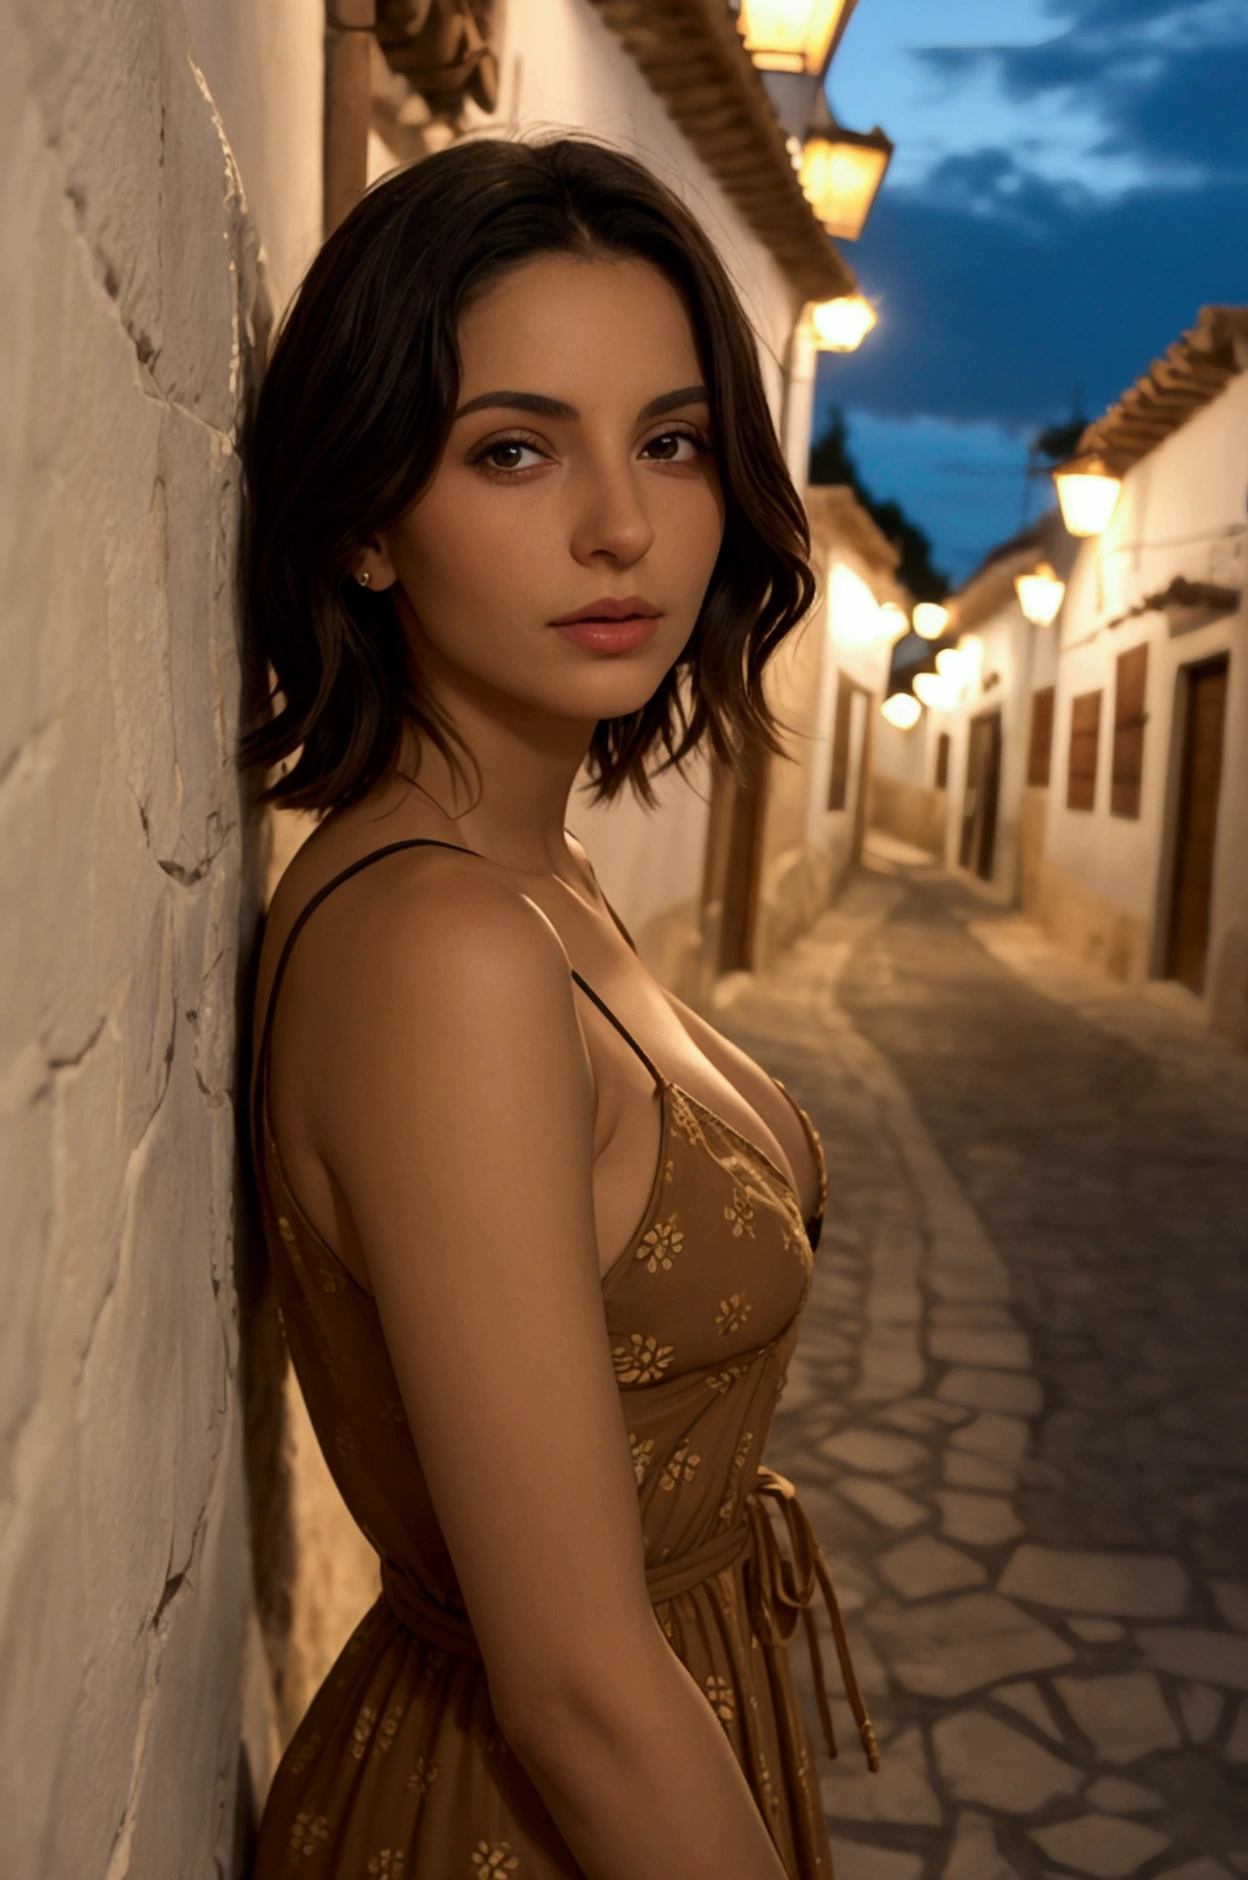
pixel 673 447
pixel 510 453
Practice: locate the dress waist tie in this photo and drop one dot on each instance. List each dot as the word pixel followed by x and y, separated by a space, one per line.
pixel 779 1589
pixel 775 1595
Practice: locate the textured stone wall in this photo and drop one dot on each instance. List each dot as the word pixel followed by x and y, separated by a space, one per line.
pixel 129 288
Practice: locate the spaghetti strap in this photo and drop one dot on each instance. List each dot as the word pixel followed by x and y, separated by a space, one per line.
pixel 364 861
pixel 623 1030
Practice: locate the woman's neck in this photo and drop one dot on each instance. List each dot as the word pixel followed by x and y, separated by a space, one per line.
pixel 511 802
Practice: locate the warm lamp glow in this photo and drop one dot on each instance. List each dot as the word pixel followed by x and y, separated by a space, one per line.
pixel 853 612
pixel 841 325
pixel 1039 595
pixel 953 665
pixel 1087 493
pixel 902 710
pixel 789 35
pixel 936 692
pixel 841 172
pixel 930 620
pixel 895 618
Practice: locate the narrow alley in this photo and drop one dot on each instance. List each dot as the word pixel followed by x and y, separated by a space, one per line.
pixel 1016 1414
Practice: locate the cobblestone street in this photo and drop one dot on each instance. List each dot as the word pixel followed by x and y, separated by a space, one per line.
pixel 1017 1413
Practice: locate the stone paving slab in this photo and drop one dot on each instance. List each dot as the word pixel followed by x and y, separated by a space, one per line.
pixel 1016 1411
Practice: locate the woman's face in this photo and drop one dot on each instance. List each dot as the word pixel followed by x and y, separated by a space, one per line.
pixel 578 480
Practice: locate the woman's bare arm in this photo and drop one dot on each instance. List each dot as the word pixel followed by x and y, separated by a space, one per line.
pixel 456 1112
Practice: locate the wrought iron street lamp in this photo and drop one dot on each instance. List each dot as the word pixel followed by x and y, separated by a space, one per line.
pixel 1040 594
pixel 841 171
pixel 792 35
pixel 1087 491
pixel 841 325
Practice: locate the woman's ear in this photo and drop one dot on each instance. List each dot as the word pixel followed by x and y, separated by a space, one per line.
pixel 373 568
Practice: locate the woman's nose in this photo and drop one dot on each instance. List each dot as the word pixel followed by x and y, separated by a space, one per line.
pixel 611 519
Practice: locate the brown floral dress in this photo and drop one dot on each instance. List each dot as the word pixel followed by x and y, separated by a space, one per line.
pixel 399 1767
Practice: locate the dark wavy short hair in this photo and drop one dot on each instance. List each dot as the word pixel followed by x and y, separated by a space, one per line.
pixel 351 421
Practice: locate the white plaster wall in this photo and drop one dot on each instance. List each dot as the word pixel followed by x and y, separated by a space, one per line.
pixel 1181 512
pixel 906 755
pixel 831 832
pixel 264 65
pixel 126 275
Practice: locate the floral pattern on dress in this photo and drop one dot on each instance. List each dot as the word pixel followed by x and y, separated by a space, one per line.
pixel 732 1314
pixel 679 1467
pixel 720 1696
pixel 488 1859
pixel 740 1211
pixel 642 1453
pixel 660 1244
pixel 387 1729
pixel 423 1776
pixel 303 1752
pixel 641 1360
pixel 307 1833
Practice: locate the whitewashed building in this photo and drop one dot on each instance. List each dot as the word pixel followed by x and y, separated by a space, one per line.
pixel 960 783
pixel 1145 864
pixel 1096 770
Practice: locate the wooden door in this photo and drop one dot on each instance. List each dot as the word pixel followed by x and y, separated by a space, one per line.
pixel 979 809
pixel 1198 824
pixel 742 863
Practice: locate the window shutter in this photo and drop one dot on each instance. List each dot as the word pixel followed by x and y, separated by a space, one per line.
pixel 1085 729
pixel 838 786
pixel 942 761
pixel 1129 721
pixel 1040 750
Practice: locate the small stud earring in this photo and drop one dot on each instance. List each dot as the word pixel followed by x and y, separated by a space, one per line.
pixel 364 579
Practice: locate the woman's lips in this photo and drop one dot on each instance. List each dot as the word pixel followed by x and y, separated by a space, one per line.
pixel 610 636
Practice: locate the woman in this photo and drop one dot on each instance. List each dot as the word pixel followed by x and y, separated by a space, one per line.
pixel 537 1228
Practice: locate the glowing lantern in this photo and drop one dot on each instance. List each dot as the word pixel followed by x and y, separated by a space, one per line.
pixel 841 325
pixel 894 617
pixel 841 171
pixel 791 35
pixel 930 620
pixel 1040 594
pixel 953 665
pixel 1087 493
pixel 935 691
pixel 902 710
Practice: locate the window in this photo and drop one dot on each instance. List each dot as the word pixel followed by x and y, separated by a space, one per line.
pixel 1085 733
pixel 1040 750
pixel 942 761
pixel 1129 721
pixel 838 784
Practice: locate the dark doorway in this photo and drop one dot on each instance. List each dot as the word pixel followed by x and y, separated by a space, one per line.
pixel 738 862
pixel 979 810
pixel 1198 824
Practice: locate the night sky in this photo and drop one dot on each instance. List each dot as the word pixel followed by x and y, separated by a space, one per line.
pixel 1070 186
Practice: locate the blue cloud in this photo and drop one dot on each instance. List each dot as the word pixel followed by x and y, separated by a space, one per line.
pixel 1168 82
pixel 999 292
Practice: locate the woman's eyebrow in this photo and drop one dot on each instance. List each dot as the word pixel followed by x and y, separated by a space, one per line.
pixel 543 407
